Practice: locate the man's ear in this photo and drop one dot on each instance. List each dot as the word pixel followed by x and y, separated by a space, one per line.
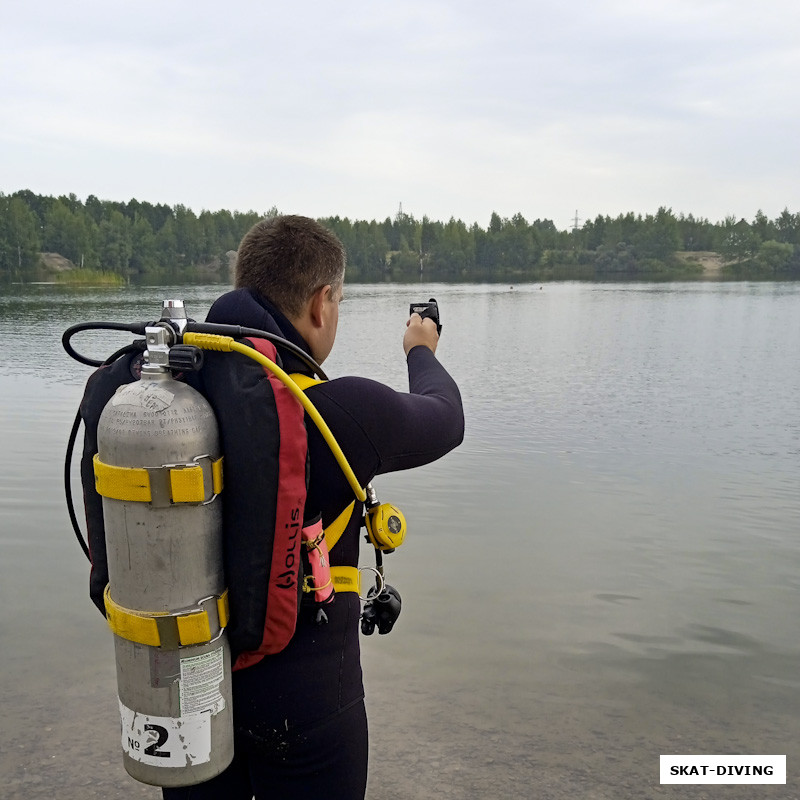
pixel 316 304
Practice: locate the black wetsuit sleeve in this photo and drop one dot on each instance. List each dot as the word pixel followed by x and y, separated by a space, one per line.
pixel 404 429
pixel 381 430
pixel 428 421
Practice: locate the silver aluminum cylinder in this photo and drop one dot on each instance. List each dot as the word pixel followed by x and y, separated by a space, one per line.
pixel 175 702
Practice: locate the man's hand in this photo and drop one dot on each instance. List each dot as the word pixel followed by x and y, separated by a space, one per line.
pixel 420 331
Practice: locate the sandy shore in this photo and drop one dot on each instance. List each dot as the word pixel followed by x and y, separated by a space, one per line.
pixel 711 263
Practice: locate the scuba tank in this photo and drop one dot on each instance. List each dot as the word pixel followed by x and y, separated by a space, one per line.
pixel 158 471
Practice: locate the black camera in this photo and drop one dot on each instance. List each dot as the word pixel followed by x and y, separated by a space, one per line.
pixel 429 310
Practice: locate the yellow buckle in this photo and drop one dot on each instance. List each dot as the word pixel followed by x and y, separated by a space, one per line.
pixel 161 486
pixel 346 579
pixel 169 630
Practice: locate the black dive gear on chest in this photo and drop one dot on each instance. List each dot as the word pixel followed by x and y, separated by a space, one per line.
pixel 381 610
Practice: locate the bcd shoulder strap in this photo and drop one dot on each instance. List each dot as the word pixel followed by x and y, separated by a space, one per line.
pixel 265 446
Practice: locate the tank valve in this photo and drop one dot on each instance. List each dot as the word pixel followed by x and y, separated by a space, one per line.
pixel 185 357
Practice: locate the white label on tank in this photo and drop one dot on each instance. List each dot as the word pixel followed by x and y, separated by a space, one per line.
pixel 201 677
pixel 166 741
pixel 145 394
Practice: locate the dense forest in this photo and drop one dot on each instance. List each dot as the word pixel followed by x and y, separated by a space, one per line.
pixel 43 237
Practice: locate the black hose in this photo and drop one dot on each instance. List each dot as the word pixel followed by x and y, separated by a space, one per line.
pixel 73 435
pixel 238 332
pixel 130 327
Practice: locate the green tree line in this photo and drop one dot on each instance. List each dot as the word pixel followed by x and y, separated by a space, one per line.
pixel 135 240
pixel 141 241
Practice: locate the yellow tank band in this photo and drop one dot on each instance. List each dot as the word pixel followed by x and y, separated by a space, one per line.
pixel 168 630
pixel 178 483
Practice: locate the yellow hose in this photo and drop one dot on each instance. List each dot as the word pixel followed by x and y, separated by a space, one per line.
pixel 226 344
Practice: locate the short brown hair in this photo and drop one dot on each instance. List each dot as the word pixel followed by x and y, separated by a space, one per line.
pixel 287 258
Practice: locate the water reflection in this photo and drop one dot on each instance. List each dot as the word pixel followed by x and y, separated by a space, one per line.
pixel 606 570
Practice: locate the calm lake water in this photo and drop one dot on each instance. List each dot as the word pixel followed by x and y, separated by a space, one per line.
pixel 607 570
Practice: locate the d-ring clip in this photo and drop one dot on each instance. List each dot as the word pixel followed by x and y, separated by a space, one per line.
pixel 381 582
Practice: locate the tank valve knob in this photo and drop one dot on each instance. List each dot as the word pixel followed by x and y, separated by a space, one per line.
pixel 185 357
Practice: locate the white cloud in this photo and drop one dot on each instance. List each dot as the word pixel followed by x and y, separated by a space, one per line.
pixel 455 108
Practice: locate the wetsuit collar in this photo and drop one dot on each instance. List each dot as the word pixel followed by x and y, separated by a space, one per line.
pixel 248 308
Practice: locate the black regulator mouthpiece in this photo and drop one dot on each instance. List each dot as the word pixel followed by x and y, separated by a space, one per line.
pixel 429 310
pixel 381 610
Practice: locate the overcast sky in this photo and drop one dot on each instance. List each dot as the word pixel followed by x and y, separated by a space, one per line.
pixel 452 108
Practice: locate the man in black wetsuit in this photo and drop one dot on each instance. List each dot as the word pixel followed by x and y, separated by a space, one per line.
pixel 299 717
